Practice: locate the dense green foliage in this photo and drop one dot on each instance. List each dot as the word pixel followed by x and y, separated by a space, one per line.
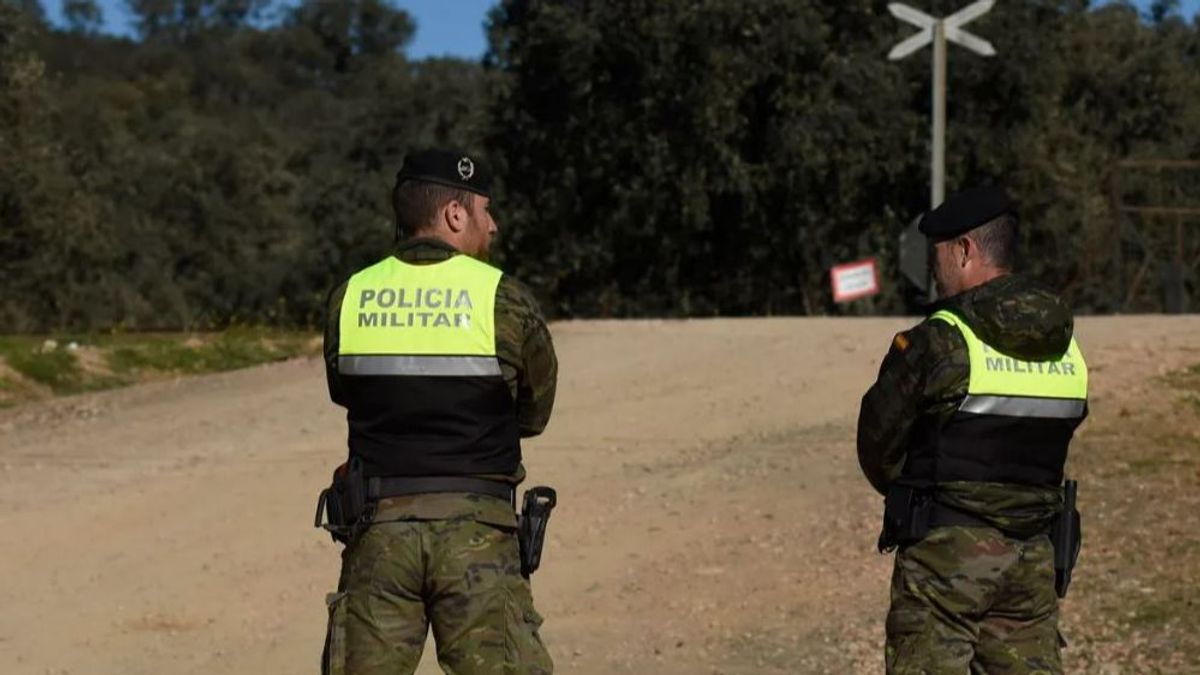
pixel 212 172
pixel 656 157
pixel 708 156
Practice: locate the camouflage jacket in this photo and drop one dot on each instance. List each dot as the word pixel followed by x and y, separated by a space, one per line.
pixel 527 362
pixel 925 374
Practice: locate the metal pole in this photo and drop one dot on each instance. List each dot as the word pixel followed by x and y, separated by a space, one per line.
pixel 938 182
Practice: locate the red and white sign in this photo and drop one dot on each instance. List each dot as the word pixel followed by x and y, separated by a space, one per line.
pixel 854 280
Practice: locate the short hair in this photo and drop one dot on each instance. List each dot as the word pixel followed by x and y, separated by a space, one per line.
pixel 417 204
pixel 997 239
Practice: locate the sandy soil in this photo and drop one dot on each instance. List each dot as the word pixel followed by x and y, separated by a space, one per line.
pixel 712 518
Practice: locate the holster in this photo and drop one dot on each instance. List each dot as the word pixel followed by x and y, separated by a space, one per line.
pixel 906 511
pixel 531 526
pixel 1067 537
pixel 342 508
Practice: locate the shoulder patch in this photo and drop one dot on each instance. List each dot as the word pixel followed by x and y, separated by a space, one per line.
pixel 901 342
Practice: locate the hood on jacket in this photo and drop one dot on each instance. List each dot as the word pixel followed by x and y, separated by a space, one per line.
pixel 1017 316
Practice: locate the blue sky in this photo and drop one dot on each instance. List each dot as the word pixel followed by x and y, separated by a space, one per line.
pixel 444 27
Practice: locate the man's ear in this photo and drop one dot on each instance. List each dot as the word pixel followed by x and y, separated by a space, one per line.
pixel 455 215
pixel 968 250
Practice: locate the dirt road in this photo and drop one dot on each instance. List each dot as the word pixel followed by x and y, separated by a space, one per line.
pixel 711 520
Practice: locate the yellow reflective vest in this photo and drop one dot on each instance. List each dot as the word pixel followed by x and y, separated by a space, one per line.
pixel 417 358
pixel 1003 385
pixel 1015 422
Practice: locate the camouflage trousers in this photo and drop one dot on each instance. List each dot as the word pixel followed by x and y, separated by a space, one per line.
pixel 460 576
pixel 970 599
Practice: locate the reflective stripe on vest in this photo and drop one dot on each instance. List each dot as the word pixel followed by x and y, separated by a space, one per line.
pixel 422 320
pixel 1002 385
pixel 1023 406
pixel 427 366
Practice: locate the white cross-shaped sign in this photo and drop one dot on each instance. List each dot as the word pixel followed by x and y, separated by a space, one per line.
pixel 938 32
pixel 952 24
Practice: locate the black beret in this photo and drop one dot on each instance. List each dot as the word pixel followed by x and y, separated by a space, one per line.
pixel 451 168
pixel 965 211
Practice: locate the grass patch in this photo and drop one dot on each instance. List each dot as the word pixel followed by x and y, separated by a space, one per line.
pixel 1187 379
pixel 1186 383
pixel 8 393
pixel 40 363
pixel 50 366
pixel 1157 612
pixel 230 350
pixel 1145 465
pixel 158 354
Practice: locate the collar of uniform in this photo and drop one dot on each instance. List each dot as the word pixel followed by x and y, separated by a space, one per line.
pixel 991 287
pixel 424 249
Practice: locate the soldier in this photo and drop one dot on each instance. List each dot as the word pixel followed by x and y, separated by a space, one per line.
pixel 443 364
pixel 966 433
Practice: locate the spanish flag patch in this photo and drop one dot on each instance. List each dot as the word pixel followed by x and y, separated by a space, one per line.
pixel 901 342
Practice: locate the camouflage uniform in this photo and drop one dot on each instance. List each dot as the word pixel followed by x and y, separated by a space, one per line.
pixel 964 597
pixel 448 560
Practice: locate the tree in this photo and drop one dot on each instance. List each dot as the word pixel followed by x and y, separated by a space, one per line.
pixel 178 20
pixel 82 16
pixel 699 157
pixel 32 10
pixel 684 157
pixel 655 157
pixel 55 247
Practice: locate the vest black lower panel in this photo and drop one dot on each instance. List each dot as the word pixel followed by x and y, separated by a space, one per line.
pixel 992 448
pixel 1014 424
pixel 432 426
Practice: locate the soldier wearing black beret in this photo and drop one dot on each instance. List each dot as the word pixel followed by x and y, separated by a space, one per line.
pixel 966 432
pixel 978 226
pixel 443 364
pixel 966 211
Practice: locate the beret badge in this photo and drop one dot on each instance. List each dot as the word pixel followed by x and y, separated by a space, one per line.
pixel 466 168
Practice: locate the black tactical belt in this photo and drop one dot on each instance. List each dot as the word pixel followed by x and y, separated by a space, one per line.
pixel 944 516
pixel 381 488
